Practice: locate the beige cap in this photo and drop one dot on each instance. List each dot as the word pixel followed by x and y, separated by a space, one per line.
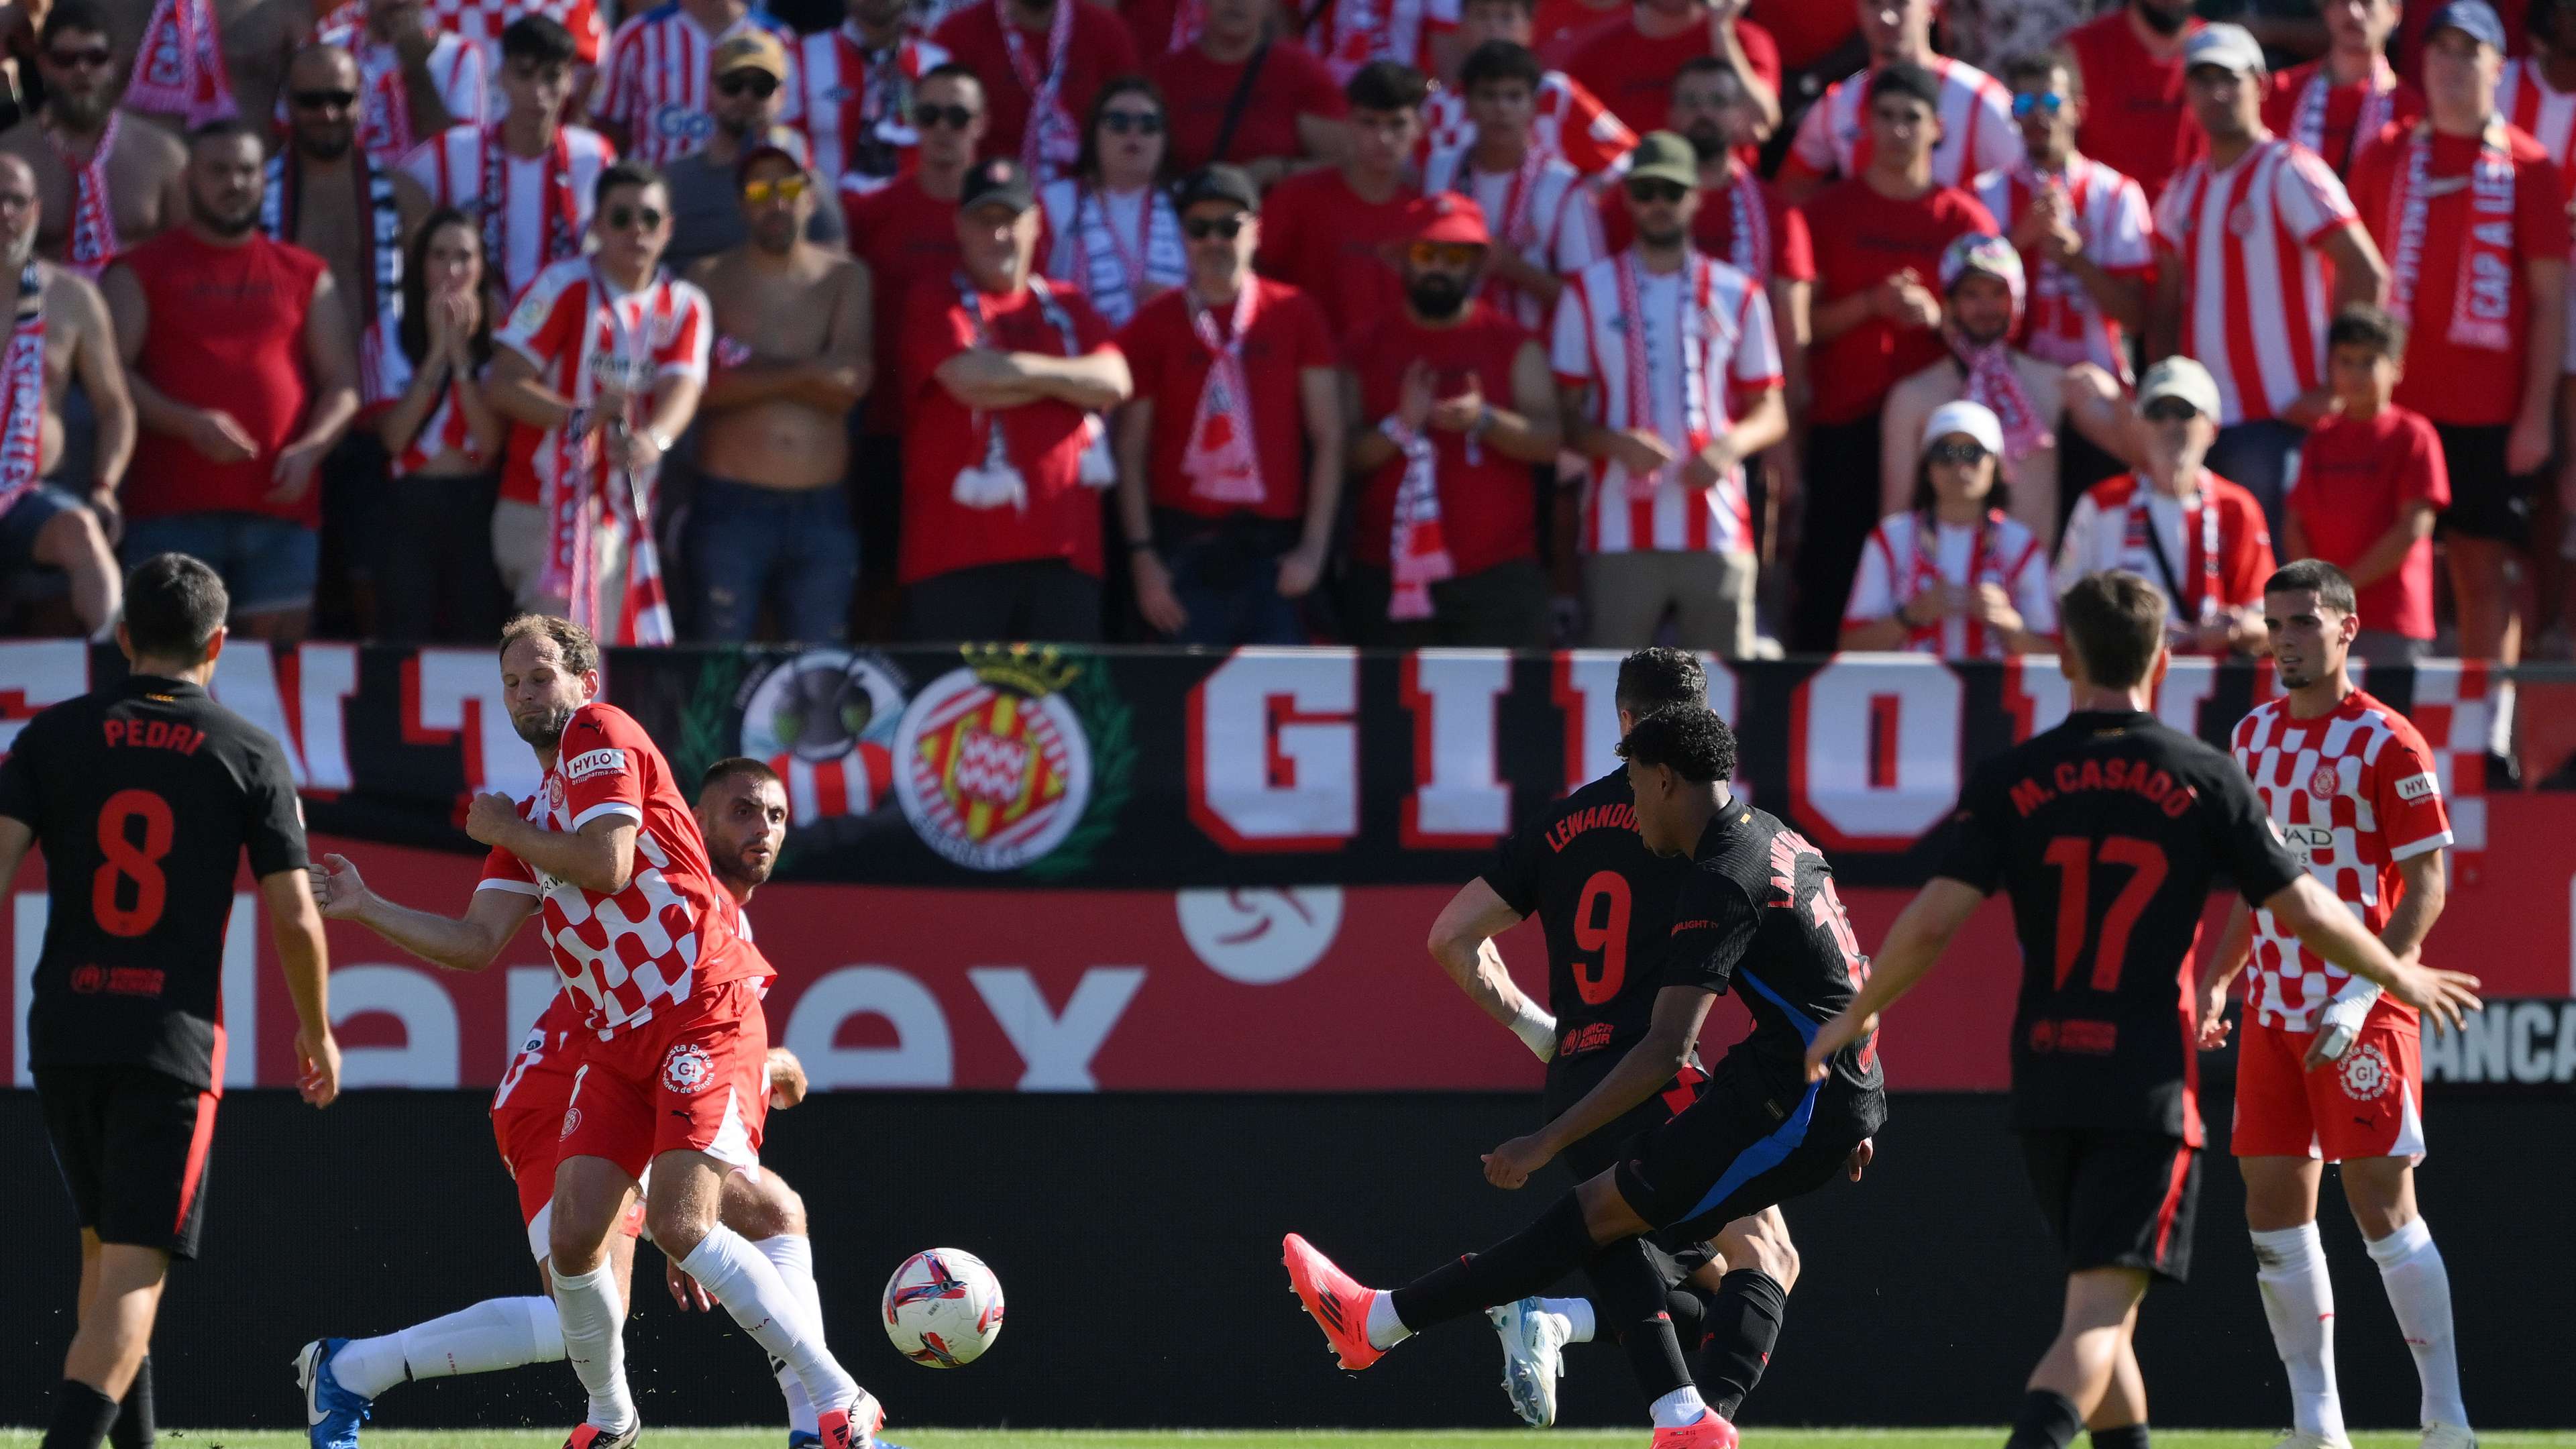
pixel 2180 377
pixel 750 50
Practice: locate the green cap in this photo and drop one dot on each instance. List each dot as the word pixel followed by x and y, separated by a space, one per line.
pixel 1664 156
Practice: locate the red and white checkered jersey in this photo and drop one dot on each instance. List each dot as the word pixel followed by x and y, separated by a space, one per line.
pixel 2525 99
pixel 1739 359
pixel 834 69
pixel 1894 567
pixel 1977 131
pixel 1569 123
pixel 656 85
pixel 572 321
pixel 452 167
pixel 2060 322
pixel 480 22
pixel 671 933
pixel 2352 794
pixel 2254 298
pixel 1550 217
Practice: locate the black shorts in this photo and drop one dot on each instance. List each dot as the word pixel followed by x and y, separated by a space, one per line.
pixel 2485 502
pixel 2116 1199
pixel 1603 1151
pixel 1740 1148
pixel 132 1145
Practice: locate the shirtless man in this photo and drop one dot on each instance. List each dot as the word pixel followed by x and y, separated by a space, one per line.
pixel 325 196
pixel 40 522
pixel 772 519
pixel 129 175
pixel 257 37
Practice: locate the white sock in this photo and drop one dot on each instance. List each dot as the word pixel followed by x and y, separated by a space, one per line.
pixel 2500 718
pixel 1681 1406
pixel 2419 1288
pixel 1577 1313
pixel 750 1289
pixel 1385 1330
pixel 593 1322
pixel 497 1333
pixel 792 1254
pixel 2298 1297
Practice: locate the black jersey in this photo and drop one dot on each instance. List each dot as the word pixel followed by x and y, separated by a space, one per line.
pixel 1759 912
pixel 143 797
pixel 1606 904
pixel 2108 831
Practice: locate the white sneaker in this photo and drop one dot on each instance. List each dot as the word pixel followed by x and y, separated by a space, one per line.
pixel 2303 1439
pixel 2449 1436
pixel 1534 1358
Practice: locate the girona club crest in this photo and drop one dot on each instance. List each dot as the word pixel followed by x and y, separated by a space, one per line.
pixel 687 1070
pixel 991 763
pixel 2366 1074
pixel 2326 781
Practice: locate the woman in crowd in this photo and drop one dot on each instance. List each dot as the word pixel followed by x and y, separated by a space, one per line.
pixel 440 582
pixel 1116 235
pixel 1953 575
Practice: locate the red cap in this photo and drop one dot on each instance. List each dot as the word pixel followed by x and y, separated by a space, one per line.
pixel 1449 217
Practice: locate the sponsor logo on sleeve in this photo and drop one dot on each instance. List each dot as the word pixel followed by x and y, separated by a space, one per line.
pixel 2418 787
pixel 596 762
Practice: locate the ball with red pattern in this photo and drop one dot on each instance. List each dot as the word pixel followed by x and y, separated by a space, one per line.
pixel 943 1308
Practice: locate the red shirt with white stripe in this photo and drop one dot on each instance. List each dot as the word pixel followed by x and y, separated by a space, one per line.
pixel 1569 122
pixel 854 784
pixel 2352 793
pixel 671 933
pixel 1754 230
pixel 2288 106
pixel 1348 34
pixel 845 86
pixel 1977 130
pixel 1545 212
pixel 569 322
pixel 2254 293
pixel 480 23
pixel 2524 98
pixel 1632 73
pixel 451 167
pixel 656 87
pixel 1740 360
pixel 1895 566
pixel 458 69
pixel 2129 523
pixel 445 429
pixel 2060 321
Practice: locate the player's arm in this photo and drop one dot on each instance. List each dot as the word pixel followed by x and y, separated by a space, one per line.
pixel 467 943
pixel 2340 1023
pixel 599 857
pixel 1462 942
pixel 1670 1037
pixel 296 928
pixel 2235 947
pixel 1913 944
pixel 16 836
pixel 2328 928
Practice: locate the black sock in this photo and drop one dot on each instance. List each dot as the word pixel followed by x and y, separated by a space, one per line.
pixel 1687 1303
pixel 2048 1420
pixel 1628 1296
pixel 2125 1436
pixel 81 1417
pixel 1517 1267
pixel 1743 1324
pixel 133 1428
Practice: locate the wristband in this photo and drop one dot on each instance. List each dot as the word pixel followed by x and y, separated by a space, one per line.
pixel 1536 1029
pixel 2341 1020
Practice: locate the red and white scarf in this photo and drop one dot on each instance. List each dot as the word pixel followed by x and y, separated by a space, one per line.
pixel 1699 283
pixel 2378 108
pixel 1748 250
pixel 1994 382
pixel 1985 565
pixel 92 244
pixel 22 390
pixel 996 481
pixel 1111 273
pixel 179 64
pixel 590 477
pixel 2139 537
pixel 2482 293
pixel 1220 460
pixel 380 283
pixel 1512 225
pixel 1418 548
pixel 1050 143
pixel 558 206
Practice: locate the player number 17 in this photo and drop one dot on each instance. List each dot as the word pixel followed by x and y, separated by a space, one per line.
pixel 2074 857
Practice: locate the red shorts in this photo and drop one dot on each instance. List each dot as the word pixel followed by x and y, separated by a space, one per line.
pixel 695 1080
pixel 527 1123
pixel 2370 1103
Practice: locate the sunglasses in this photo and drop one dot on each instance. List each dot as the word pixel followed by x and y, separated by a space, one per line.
pixel 2169 410
pixel 930 117
pixel 1132 123
pixel 785 188
pixel 627 218
pixel 1650 193
pixel 325 100
pixel 1200 228
pixel 2027 102
pixel 759 83
pixel 1963 454
pixel 1444 254
pixel 97 57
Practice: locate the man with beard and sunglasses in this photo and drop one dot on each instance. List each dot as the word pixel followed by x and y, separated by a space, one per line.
pixel 2128 61
pixel 751 76
pixel 1670 378
pixel 106 181
pixel 859 82
pixel 414 79
pixel 239 353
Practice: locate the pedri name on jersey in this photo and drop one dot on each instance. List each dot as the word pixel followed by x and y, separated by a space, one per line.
pixel 2136 777
pixel 1598 817
pixel 159 734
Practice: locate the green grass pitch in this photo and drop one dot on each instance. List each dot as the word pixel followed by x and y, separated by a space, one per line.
pixel 1757 1438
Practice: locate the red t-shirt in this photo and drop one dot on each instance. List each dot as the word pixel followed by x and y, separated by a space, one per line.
pixel 1787 255
pixel 2136 120
pixel 2447 379
pixel 1560 27
pixel 1807 30
pixel 1170 365
pixel 1488 503
pixel 1292 83
pixel 226 331
pixel 1633 75
pixel 1322 238
pixel 1149 25
pixel 2335 139
pixel 1098 49
pixel 2355 477
pixel 1862 239
pixel 906 236
pixel 943 437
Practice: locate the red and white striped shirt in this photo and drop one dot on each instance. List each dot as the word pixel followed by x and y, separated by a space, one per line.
pixel 2524 98
pixel 452 166
pixel 656 85
pixel 1894 567
pixel 480 23
pixel 2253 281
pixel 1570 124
pixel 457 68
pixel 854 784
pixel 858 105
pixel 1545 211
pixel 1739 358
pixel 1348 34
pixel 570 322
pixel 1977 131
pixel 2060 321
pixel 2351 793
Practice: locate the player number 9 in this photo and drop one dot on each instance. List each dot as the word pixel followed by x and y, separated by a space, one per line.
pixel 1609 936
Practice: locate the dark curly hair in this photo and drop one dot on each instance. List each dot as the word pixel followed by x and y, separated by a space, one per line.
pixel 1688 737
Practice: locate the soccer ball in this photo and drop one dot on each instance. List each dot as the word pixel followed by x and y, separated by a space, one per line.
pixel 943 1308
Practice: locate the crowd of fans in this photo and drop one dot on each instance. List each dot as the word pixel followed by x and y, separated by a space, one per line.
pixel 1467 322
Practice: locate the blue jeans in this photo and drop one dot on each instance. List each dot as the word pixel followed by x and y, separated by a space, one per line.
pixel 795 549
pixel 268 564
pixel 2259 457
pixel 1227 578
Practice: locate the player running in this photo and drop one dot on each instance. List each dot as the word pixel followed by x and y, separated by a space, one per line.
pixel 1606 904
pixel 2331 1069
pixel 2107 831
pixel 145 795
pixel 1758 909
pixel 742 811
